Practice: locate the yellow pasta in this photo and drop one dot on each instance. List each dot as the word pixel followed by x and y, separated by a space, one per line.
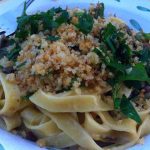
pixel 12 97
pixel 62 141
pixel 76 103
pixel 40 125
pixel 76 132
pixel 95 129
pixel 10 123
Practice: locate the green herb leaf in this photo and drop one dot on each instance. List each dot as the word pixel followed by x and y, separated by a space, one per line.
pixel 109 60
pixel 22 34
pixel 109 31
pixel 146 36
pixel 53 38
pixel 85 23
pixel 133 84
pixel 3 52
pixel 21 65
pixel 1 67
pixel 29 24
pixel 13 54
pixel 116 99
pixel 128 110
pixel 99 10
pixel 58 10
pixel 24 9
pixel 116 67
pixel 12 42
pixel 117 103
pixel 27 96
pixel 138 73
pixel 141 36
pixel 63 18
pixel 79 13
pixel 116 42
pixel 145 55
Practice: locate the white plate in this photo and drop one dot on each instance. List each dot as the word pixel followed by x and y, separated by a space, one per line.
pixel 135 13
pixel 8 5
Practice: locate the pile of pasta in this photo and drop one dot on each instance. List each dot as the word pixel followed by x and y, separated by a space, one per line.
pixel 68 119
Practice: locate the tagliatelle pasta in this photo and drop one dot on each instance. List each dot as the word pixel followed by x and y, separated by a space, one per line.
pixel 74 79
pixel 49 126
pixel 38 123
pixel 12 98
pixel 73 103
pixel 10 123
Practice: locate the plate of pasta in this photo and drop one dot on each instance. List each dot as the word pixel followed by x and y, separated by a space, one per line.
pixel 77 77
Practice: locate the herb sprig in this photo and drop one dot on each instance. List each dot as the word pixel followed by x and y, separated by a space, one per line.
pixel 29 24
pixel 117 55
pixel 85 23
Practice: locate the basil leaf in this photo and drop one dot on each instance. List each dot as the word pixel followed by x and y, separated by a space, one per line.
pixel 85 23
pixel 128 110
pixel 138 73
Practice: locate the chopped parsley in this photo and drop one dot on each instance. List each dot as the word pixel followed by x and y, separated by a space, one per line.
pixel 29 24
pixel 117 55
pixel 85 23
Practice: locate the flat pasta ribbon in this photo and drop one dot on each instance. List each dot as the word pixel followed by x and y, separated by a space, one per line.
pixel 10 123
pixel 73 103
pixel 38 123
pixel 11 102
pixel 67 123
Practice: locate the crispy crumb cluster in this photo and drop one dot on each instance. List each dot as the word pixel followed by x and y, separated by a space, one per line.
pixel 67 62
